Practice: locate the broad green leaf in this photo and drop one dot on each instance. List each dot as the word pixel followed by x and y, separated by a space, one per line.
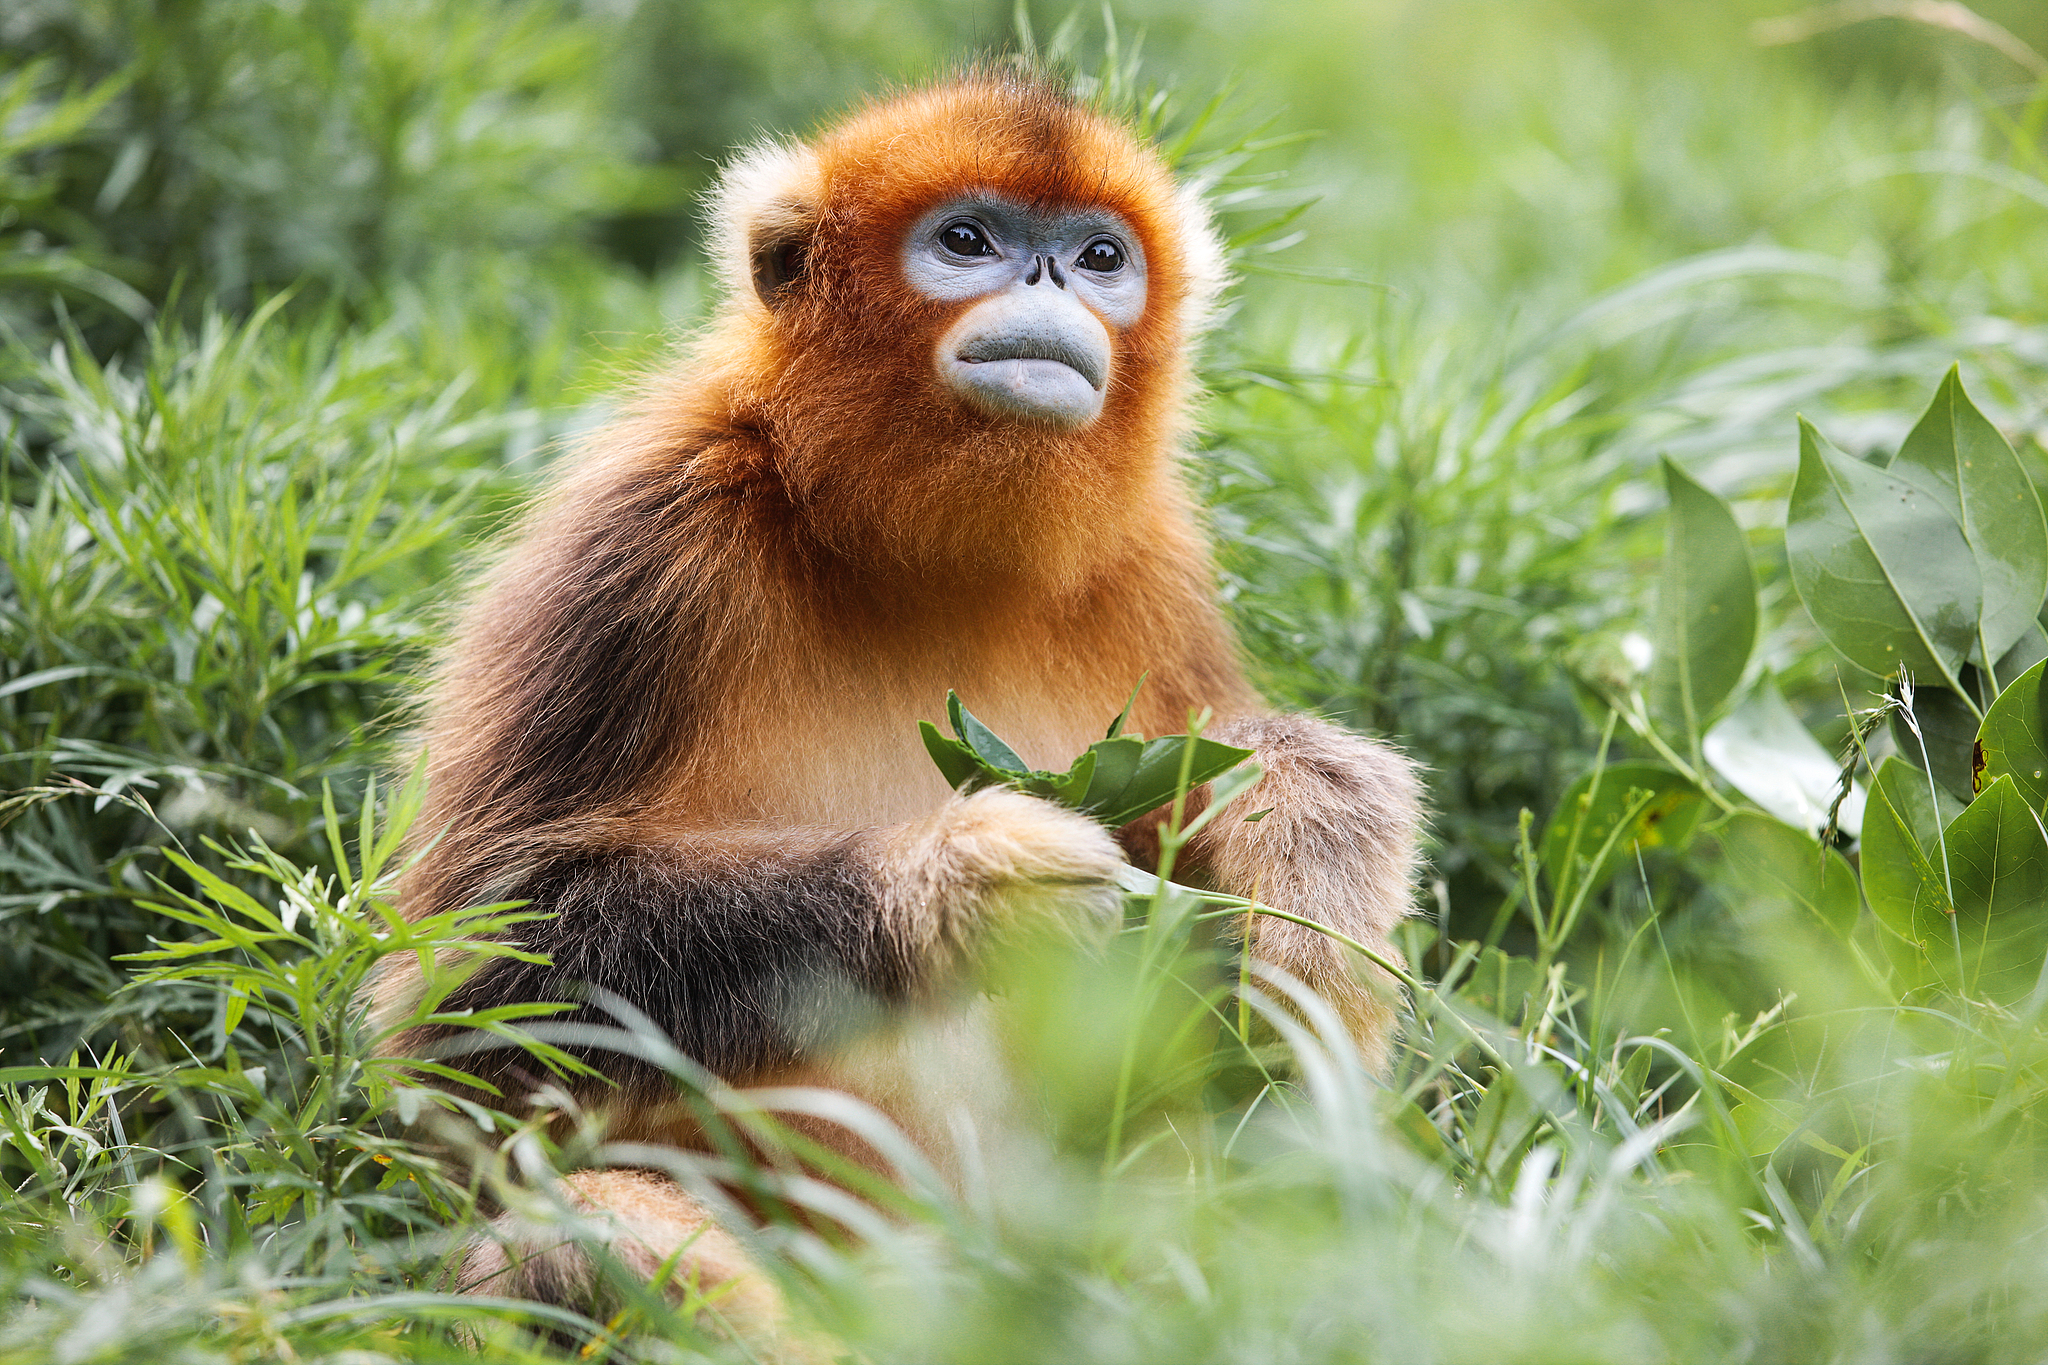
pixel 1116 763
pixel 981 739
pixel 1881 564
pixel 1767 755
pixel 957 763
pixel 1597 802
pixel 1770 859
pixel 1957 456
pixel 1901 853
pixel 1070 788
pixel 2013 741
pixel 1706 608
pixel 1154 778
pixel 2028 650
pixel 1998 860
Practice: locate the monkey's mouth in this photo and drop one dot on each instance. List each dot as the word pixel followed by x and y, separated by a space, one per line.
pixel 1030 354
pixel 1034 359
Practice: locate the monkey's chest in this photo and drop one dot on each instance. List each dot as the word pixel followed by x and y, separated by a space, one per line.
pixel 830 738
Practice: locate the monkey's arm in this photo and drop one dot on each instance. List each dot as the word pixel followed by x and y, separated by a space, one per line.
pixel 754 952
pixel 1337 846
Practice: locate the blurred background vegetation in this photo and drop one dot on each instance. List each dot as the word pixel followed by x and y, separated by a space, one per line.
pixel 296 296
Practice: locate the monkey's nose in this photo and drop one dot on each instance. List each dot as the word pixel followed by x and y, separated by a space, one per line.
pixel 1049 268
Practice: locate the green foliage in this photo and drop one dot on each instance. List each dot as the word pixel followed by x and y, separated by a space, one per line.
pixel 1882 565
pixel 335 145
pixel 2013 740
pixel 1706 610
pixel 35 117
pixel 1958 888
pixel 1615 810
pixel 275 1154
pixel 1116 779
pixel 1736 1051
pixel 211 567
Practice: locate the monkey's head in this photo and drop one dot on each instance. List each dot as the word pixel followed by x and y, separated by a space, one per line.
pixel 976 287
pixel 1022 247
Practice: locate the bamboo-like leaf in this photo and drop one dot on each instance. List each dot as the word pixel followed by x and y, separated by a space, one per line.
pixel 1071 787
pixel 1881 564
pixel 1116 727
pixel 1115 780
pixel 1706 608
pixel 1157 776
pixel 957 763
pixel 1116 763
pixel 1956 456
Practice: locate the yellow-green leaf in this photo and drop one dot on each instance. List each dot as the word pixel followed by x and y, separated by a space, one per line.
pixel 1706 608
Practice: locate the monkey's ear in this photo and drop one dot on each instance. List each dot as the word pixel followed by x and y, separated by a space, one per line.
pixel 777 254
pixel 764 218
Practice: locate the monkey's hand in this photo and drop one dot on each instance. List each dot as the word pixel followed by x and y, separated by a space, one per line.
pixel 998 860
pixel 1337 845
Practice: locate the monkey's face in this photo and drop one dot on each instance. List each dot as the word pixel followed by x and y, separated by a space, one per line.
pixel 1039 290
pixel 965 344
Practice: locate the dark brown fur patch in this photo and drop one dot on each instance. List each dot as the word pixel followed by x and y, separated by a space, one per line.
pixel 748 970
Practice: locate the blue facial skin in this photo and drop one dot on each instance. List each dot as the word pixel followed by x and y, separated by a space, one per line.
pixel 1045 288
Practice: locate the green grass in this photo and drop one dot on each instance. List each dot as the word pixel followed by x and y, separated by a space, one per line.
pixel 298 299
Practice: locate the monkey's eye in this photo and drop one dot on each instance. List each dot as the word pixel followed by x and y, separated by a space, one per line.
pixel 1104 254
pixel 964 237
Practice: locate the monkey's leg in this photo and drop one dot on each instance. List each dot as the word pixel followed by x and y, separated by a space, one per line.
pixel 649 1226
pixel 1338 847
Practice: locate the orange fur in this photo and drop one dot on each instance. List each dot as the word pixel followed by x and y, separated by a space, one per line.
pixel 702 661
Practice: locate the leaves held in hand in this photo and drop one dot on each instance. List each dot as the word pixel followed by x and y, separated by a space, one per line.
pixel 1116 780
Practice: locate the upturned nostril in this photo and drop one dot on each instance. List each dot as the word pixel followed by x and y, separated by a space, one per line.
pixel 1053 268
pixel 1037 265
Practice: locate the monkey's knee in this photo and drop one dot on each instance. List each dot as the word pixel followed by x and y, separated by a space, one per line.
pixel 1336 843
pixel 645 1226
